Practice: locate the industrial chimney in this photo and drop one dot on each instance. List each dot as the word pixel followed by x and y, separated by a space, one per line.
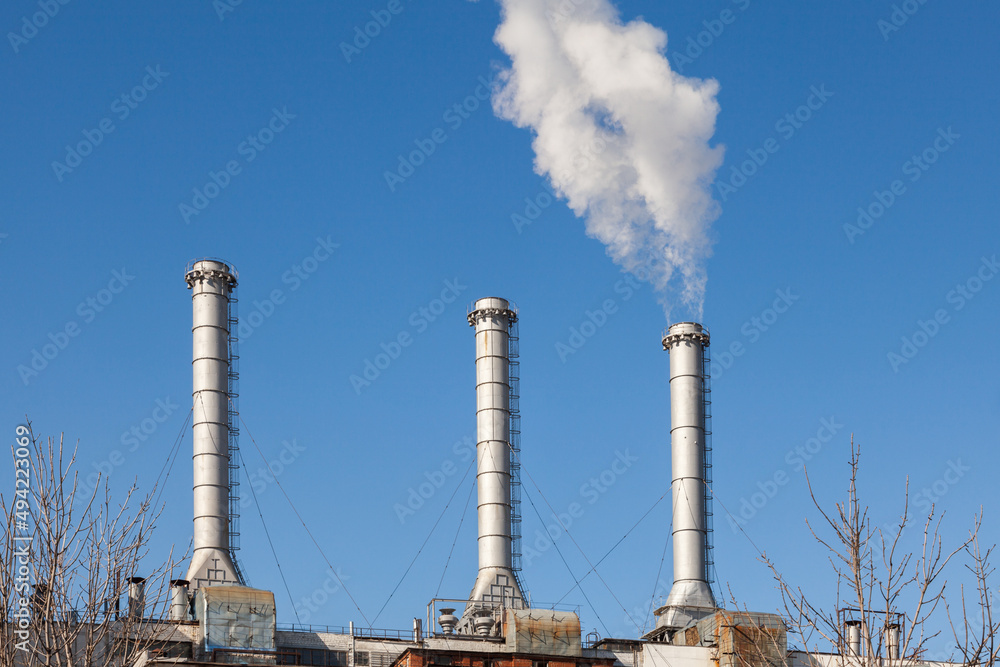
pixel 211 283
pixel 496 584
pixel 691 597
pixel 179 600
pixel 136 597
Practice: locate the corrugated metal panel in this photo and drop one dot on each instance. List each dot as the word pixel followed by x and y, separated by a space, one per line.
pixel 382 658
pixel 236 617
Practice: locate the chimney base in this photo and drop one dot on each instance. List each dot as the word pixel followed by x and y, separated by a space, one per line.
pixel 688 601
pixel 211 567
pixel 495 588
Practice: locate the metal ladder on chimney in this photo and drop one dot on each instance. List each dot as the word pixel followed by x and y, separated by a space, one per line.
pixel 514 407
pixel 706 373
pixel 234 434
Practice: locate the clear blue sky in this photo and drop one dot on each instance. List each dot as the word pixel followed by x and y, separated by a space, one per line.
pixel 206 85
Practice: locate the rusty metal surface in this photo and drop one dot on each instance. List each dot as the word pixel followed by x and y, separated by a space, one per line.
pixel 543 631
pixel 745 639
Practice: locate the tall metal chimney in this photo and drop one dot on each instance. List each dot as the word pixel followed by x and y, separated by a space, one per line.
pixel 496 584
pixel 691 597
pixel 211 283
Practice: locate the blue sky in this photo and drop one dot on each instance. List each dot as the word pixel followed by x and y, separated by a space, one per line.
pixel 851 295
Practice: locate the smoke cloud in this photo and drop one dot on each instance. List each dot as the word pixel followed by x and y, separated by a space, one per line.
pixel 620 136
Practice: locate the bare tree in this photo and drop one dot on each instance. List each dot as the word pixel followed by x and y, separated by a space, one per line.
pixel 83 550
pixel 976 630
pixel 887 592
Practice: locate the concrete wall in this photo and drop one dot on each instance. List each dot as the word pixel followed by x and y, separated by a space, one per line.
pixel 666 655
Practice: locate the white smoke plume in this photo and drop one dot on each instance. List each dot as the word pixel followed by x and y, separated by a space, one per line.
pixel 620 136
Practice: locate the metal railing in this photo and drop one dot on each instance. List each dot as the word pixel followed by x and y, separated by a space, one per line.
pixel 356 631
pixel 232 269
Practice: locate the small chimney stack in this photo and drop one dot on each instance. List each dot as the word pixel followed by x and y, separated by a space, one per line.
pixel 852 637
pixel 892 641
pixel 136 597
pixel 179 600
